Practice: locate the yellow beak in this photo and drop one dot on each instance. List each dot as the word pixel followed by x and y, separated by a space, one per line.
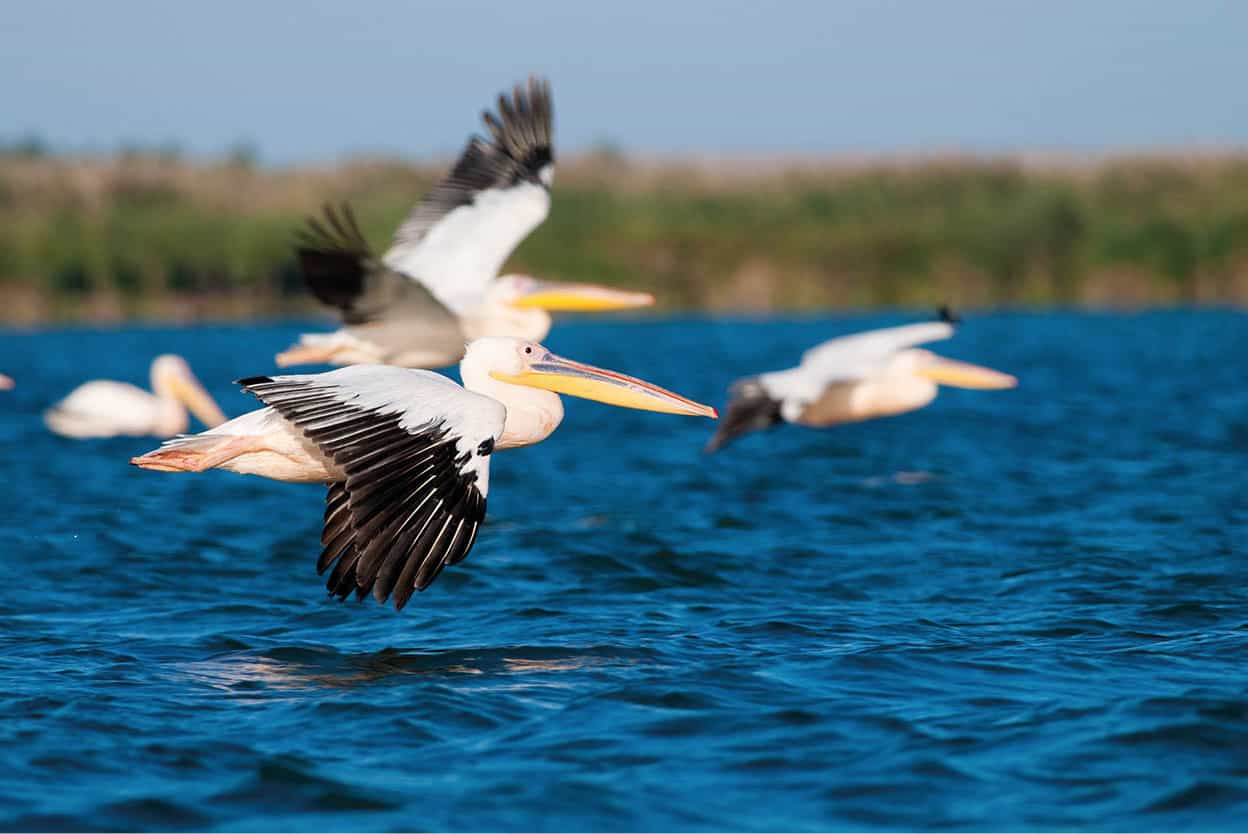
pixel 558 297
pixel 965 375
pixel 193 395
pixel 563 376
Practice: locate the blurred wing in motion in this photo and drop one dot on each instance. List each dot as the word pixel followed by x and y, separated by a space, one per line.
pixel 828 386
pixel 378 305
pixel 861 355
pixel 341 271
pixel 456 240
pixel 414 448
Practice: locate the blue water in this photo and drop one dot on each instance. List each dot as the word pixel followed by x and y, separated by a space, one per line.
pixel 1022 609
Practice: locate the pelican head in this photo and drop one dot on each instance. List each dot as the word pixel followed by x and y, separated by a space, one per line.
pixel 527 379
pixel 524 292
pixel 172 380
pixel 750 408
pixel 529 364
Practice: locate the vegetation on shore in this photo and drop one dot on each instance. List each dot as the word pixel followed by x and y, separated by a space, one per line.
pixel 150 235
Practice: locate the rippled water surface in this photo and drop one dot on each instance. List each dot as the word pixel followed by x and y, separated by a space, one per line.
pixel 1019 609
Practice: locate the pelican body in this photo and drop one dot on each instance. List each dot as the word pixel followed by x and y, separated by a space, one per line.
pixel 438 286
pixel 862 376
pixel 104 408
pixel 405 452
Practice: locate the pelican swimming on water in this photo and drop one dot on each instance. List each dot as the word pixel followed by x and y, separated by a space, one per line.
pixel 878 373
pixel 103 408
pixel 437 286
pixel 406 453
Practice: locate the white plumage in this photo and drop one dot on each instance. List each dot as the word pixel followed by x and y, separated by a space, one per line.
pixel 878 373
pixel 860 355
pixel 405 452
pixel 853 358
pixel 438 285
pixel 104 408
pixel 460 256
pixel 263 442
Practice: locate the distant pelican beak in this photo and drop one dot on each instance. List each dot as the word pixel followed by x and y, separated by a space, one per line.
pixel 201 404
pixel 965 375
pixel 558 297
pixel 563 376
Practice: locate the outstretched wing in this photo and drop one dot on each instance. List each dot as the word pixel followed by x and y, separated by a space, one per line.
pixel 414 448
pixel 456 240
pixel 862 354
pixel 339 268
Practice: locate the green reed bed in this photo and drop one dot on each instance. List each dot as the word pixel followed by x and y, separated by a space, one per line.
pixel 157 237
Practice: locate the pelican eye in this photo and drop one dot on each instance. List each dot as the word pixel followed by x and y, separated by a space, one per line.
pixel 485 446
pixel 528 350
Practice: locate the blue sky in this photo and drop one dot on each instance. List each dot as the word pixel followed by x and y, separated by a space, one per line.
pixel 310 81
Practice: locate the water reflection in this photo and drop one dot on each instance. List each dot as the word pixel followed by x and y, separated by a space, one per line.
pixel 295 668
pixel 904 477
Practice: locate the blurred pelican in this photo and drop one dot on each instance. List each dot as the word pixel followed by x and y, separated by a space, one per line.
pixel 438 287
pixel 406 453
pixel 103 408
pixel 6 383
pixel 878 373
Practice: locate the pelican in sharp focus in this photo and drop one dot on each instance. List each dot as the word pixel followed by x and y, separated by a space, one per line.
pixel 103 408
pixel 438 286
pixel 406 453
pixel 878 373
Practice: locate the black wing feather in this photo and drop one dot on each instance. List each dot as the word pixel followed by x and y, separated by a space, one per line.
pixel 341 270
pixel 337 263
pixel 407 507
pixel 518 149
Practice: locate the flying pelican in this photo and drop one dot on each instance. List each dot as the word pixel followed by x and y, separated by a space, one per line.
pixel 878 373
pixel 103 408
pixel 438 287
pixel 406 453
